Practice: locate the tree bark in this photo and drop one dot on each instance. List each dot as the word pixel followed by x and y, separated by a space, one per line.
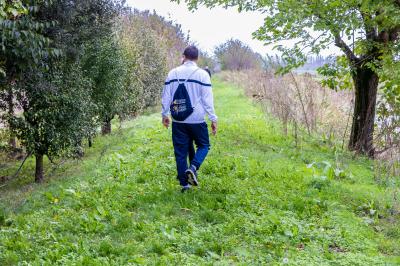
pixel 362 130
pixel 39 168
pixel 79 151
pixel 106 127
pixel 12 142
pixel 90 141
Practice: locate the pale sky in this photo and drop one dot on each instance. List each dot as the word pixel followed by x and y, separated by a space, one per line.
pixel 211 27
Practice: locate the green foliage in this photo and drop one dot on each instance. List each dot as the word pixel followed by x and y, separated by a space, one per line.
pixel 390 81
pixel 127 69
pixel 23 40
pixel 105 66
pixel 338 75
pixel 256 204
pixel 57 110
pixel 11 9
pixel 151 62
pixel 324 172
pixel 79 23
pixel 172 38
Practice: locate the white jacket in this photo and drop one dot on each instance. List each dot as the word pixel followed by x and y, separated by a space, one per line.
pixel 198 87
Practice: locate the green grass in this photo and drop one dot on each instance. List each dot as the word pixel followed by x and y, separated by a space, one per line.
pixel 258 202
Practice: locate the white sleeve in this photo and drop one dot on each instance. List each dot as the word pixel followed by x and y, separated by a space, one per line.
pixel 207 98
pixel 166 97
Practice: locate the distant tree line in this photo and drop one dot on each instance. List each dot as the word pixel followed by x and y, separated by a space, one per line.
pixel 236 55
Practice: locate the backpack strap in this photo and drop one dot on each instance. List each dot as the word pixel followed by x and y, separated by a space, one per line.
pixel 192 74
pixel 197 102
pixel 177 78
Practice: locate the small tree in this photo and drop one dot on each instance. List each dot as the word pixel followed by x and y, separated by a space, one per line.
pixel 366 31
pixel 107 68
pixel 151 62
pixel 56 113
pixel 145 63
pixel 80 27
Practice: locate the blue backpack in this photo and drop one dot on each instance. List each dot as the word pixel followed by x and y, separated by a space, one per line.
pixel 181 106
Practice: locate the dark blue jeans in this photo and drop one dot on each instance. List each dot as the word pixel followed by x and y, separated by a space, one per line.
pixel 183 136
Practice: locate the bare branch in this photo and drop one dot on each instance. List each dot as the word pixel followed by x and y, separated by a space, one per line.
pixel 20 167
pixel 346 49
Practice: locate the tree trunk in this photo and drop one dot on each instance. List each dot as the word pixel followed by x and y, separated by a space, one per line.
pixel 362 130
pixel 90 141
pixel 106 127
pixel 39 168
pixel 79 151
pixel 12 142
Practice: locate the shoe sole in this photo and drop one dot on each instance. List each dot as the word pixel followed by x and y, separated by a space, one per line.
pixel 191 178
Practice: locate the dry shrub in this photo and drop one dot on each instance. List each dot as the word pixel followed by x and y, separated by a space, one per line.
pixel 298 99
pixel 387 140
pixel 301 100
pixel 387 144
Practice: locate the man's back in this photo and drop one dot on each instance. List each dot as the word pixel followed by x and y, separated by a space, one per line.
pixel 198 86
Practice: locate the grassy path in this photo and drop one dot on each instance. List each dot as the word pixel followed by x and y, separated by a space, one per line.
pixel 258 203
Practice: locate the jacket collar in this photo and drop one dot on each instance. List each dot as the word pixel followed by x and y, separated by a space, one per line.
pixel 190 63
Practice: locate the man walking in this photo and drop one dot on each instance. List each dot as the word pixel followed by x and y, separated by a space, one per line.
pixel 188 97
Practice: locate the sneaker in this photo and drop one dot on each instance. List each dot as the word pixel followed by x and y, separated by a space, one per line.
pixel 185 188
pixel 191 174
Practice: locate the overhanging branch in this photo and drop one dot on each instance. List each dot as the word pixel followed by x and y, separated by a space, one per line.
pixel 346 49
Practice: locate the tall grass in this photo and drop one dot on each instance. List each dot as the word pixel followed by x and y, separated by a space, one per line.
pixel 302 104
pixel 298 99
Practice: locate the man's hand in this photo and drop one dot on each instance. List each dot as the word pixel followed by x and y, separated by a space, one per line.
pixel 165 121
pixel 214 128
